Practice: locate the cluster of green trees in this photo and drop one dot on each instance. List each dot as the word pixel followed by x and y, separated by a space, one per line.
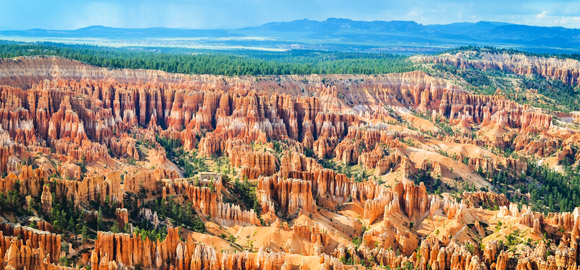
pixel 12 201
pixel 328 163
pixel 563 94
pixel 245 195
pixel 219 63
pixel 153 234
pixel 66 217
pixel 553 191
pixel 170 145
pixel 182 215
pixel 494 50
pixel 190 164
pixel 472 76
pixel 338 62
pixel 433 184
pixel 550 191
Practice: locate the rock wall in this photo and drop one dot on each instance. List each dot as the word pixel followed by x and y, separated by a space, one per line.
pixel 90 188
pixel 488 199
pixel 131 250
pixel 115 250
pixel 231 214
pixel 28 240
pixel 293 195
pixel 252 163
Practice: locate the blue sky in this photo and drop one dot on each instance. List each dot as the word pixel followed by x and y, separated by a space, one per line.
pixel 72 14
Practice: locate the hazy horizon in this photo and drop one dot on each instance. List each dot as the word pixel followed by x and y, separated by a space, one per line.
pixel 230 14
pixel 322 20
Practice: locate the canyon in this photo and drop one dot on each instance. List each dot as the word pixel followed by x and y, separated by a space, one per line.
pixel 282 172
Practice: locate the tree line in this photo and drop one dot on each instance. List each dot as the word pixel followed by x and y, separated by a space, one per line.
pixel 231 63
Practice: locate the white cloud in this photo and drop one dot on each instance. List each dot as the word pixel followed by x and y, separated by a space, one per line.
pixel 412 14
pixel 542 15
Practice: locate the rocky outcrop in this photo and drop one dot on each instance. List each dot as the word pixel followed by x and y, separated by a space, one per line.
pixel 567 221
pixel 122 216
pixel 205 197
pixel 336 187
pixel 29 240
pixel 97 188
pixel 382 162
pixel 293 195
pixel 375 208
pixel 525 215
pixel 294 162
pixel 17 254
pixel 46 199
pixel 202 197
pixel 231 214
pixel 65 123
pixel 147 180
pixel 29 180
pixel 253 164
pixel 268 207
pixel 564 256
pixel 413 200
pixel 316 235
pixel 489 200
pixel 131 250
pixel 451 257
pixel 565 70
pixel 150 216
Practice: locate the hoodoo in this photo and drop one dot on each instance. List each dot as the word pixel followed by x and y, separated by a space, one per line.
pixel 109 168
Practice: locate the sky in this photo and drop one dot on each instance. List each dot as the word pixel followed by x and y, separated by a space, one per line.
pixel 206 14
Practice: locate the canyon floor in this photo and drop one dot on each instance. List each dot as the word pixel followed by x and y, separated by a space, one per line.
pixel 468 162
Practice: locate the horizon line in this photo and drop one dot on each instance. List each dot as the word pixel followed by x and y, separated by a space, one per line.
pixel 281 22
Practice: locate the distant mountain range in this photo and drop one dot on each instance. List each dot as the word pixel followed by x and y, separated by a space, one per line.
pixel 331 34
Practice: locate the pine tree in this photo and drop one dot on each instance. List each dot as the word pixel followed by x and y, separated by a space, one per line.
pixel 115 227
pixel 85 233
pixel 99 219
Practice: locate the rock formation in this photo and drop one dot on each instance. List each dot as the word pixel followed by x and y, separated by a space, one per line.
pixel 330 163
pixel 565 70
pixel 292 195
